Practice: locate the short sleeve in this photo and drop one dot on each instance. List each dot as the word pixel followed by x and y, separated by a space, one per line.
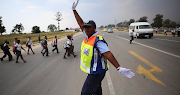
pixel 102 47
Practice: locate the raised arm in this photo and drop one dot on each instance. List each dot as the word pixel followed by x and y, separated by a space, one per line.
pixel 78 18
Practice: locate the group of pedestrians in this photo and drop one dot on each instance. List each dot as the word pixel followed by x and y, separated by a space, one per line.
pixel 17 47
pixel 173 31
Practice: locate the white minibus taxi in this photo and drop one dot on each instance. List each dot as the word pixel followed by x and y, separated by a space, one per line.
pixel 141 29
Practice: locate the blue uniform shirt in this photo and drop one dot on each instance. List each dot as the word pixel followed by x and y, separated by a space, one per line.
pixel 100 44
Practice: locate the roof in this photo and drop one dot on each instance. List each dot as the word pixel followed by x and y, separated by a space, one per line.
pixel 139 23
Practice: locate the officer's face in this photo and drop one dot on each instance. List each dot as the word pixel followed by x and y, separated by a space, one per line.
pixel 89 30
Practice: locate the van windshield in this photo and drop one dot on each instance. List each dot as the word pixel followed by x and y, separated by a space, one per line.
pixel 144 26
pixel 132 27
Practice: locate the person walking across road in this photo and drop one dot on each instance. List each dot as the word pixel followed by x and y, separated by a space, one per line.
pixel 165 31
pixel 5 48
pixel 94 55
pixel 18 48
pixel 46 47
pixel 29 43
pixel 55 44
pixel 68 47
pixel 39 38
pixel 131 35
pixel 14 43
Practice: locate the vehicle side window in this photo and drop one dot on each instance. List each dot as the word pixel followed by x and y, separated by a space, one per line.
pixel 136 27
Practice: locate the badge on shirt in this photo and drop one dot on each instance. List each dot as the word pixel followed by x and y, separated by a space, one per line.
pixel 86 51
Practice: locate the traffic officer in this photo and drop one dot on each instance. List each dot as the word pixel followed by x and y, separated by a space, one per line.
pixel 94 55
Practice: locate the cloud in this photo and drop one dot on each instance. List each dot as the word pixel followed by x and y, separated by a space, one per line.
pixel 30 7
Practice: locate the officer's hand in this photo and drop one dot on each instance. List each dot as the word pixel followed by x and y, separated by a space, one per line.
pixel 126 72
pixel 75 5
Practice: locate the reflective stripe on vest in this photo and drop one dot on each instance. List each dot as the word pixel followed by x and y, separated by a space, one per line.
pixel 91 60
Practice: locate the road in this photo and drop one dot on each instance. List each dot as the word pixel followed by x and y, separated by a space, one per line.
pixel 155 61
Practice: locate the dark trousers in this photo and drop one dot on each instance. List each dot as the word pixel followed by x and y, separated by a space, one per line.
pixel 9 55
pixel 132 38
pixel 55 48
pixel 29 47
pixel 92 85
pixel 46 51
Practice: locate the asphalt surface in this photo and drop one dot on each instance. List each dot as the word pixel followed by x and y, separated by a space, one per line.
pixel 155 62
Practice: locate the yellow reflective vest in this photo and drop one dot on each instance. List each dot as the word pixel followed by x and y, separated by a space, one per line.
pixel 92 62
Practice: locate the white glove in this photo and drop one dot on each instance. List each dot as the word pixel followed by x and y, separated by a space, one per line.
pixel 126 72
pixel 74 5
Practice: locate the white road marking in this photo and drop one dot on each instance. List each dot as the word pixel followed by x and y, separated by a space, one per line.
pixel 111 88
pixel 149 47
pixel 168 40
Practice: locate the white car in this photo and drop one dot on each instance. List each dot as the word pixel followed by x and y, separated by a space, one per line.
pixel 141 29
pixel 110 31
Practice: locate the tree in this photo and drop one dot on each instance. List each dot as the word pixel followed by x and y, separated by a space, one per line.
pixel 18 28
pixel 58 18
pixel 119 24
pixel 36 29
pixel 166 23
pixel 158 20
pixel 2 28
pixel 131 21
pixel 52 27
pixel 173 24
pixel 111 25
pixel 143 19
pixel 101 26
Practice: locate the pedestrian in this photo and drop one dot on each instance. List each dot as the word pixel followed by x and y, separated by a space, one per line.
pixel 39 38
pixel 18 48
pixel 68 46
pixel 94 55
pixel 131 35
pixel 46 47
pixel 5 48
pixel 29 43
pixel 14 43
pixel 55 44
pixel 43 46
pixel 72 45
pixel 179 32
pixel 156 30
pixel 173 31
pixel 165 31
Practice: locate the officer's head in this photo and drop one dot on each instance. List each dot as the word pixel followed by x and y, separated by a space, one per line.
pixel 90 27
pixel 55 36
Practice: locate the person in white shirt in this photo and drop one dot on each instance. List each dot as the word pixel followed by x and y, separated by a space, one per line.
pixel 165 31
pixel 14 43
pixel 68 47
pixel 179 32
pixel 131 35
pixel 173 31
pixel 55 44
pixel 18 48
pixel 72 47
pixel 29 43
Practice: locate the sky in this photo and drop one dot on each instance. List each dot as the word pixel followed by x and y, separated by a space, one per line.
pixel 42 12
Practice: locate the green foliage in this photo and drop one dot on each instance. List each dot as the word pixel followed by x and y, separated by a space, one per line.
pixel 52 27
pixel 158 20
pixel 2 28
pixel 18 28
pixel 166 23
pixel 36 29
pixel 143 19
pixel 131 21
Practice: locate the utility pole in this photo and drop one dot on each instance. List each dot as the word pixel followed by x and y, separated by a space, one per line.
pixel 115 23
